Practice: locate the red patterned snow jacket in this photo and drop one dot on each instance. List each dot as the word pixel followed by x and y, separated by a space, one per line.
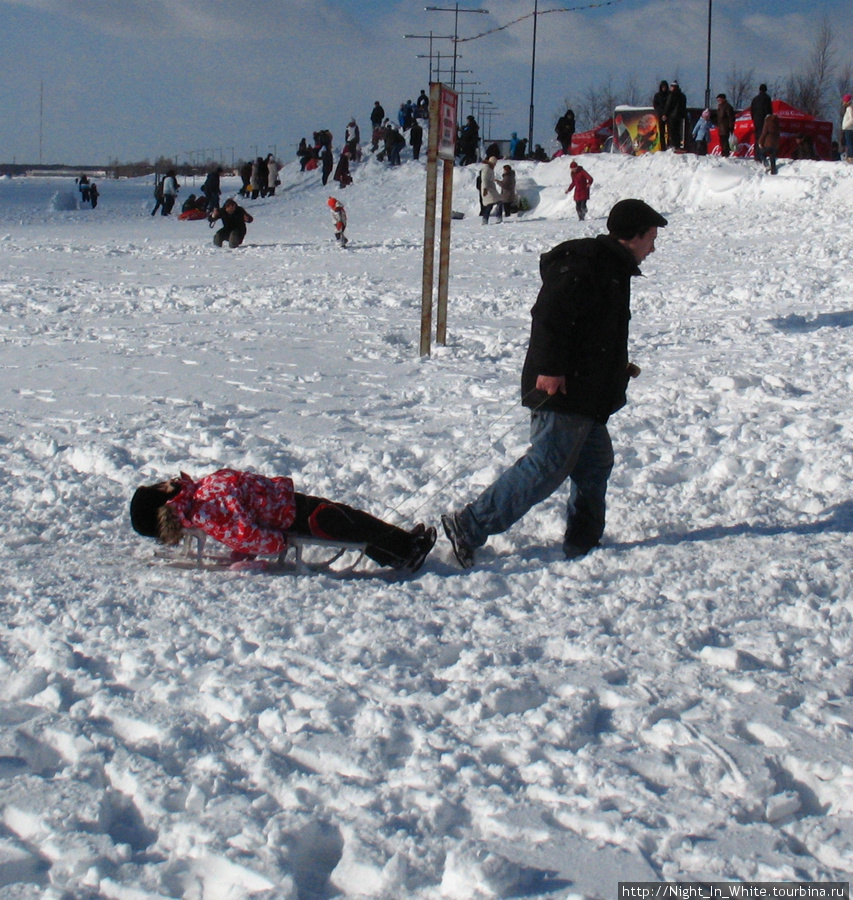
pixel 244 511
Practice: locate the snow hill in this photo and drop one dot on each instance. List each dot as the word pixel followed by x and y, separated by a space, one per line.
pixel 677 706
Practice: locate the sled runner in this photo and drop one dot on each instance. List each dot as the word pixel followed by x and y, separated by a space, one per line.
pixel 193 553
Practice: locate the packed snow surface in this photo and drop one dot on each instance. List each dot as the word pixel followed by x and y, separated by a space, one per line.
pixel 677 706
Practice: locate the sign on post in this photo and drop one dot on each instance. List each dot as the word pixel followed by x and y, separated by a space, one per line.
pixel 442 145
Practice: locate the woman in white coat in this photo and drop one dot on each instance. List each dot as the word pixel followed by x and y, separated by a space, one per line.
pixel 491 197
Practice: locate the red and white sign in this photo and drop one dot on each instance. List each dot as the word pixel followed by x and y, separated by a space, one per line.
pixel 447 105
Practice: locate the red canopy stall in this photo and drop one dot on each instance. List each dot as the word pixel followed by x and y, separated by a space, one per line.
pixel 797 129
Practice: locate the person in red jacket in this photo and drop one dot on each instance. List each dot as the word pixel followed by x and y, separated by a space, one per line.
pixel 251 514
pixel 581 183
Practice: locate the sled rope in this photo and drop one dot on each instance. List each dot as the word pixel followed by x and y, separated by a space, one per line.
pixel 477 456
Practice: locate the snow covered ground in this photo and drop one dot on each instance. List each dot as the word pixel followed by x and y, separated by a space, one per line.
pixel 676 706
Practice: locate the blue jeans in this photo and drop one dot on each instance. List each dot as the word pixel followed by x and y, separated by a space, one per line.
pixel 561 446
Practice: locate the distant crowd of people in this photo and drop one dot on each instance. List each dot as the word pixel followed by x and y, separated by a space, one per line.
pixel 669 128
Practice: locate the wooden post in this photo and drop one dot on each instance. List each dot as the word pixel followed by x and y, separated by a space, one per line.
pixel 442 144
pixel 429 221
pixel 444 252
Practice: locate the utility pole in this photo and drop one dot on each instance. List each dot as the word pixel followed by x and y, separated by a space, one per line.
pixel 708 64
pixel 532 76
pixel 41 118
pixel 430 37
pixel 454 9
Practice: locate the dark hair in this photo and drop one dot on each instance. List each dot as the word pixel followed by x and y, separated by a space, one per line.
pixel 150 515
pixel 144 509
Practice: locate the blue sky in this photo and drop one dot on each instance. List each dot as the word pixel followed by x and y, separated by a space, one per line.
pixel 134 79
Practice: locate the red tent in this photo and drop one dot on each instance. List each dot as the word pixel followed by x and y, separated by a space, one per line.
pixel 795 127
pixel 594 140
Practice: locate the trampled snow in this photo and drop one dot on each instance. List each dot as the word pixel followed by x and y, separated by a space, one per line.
pixel 677 706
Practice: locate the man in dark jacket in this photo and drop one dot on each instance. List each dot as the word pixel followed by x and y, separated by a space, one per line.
pixel 760 108
pixel 565 130
pixel 659 103
pixel 234 220
pixel 725 123
pixel 675 109
pixel 574 377
pixel 212 188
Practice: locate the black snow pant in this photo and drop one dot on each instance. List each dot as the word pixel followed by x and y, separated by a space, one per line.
pixel 387 544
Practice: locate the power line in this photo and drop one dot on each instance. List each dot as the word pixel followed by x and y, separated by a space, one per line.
pixel 543 12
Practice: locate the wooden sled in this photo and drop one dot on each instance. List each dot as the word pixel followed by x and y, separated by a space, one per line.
pixel 193 553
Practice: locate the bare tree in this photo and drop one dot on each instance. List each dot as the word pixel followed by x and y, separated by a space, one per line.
pixel 599 101
pixel 843 81
pixel 740 87
pixel 808 90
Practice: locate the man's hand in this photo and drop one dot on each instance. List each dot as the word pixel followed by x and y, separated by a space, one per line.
pixel 551 384
pixel 633 370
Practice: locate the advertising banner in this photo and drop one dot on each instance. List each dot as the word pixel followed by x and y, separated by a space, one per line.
pixel 636 130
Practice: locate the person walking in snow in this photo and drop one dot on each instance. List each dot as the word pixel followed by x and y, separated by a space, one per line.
pixel 416 139
pixel 491 197
pixel 342 173
pixel 759 109
pixel 272 175
pixel 326 162
pixel 581 183
pixel 377 117
pixel 768 142
pixel 339 217
pixel 352 141
pixel 468 144
pixel 251 514
pixel 169 188
pixel 575 377
pixel 84 187
pixel 702 133
pixel 234 220
pixel 212 188
pixel 725 123
pixel 507 185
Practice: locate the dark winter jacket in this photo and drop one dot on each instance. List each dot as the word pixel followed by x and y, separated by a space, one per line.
pixel 760 108
pixel 725 119
pixel 660 98
pixel 234 219
pixel 565 126
pixel 675 105
pixel 580 328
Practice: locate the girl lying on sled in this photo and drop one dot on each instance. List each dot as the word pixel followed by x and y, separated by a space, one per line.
pixel 251 514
